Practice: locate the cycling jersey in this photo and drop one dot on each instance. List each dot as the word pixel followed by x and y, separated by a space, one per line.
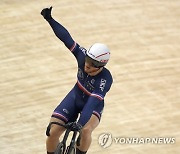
pixel 87 96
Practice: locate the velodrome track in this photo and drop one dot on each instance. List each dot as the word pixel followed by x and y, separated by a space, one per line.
pixel 37 71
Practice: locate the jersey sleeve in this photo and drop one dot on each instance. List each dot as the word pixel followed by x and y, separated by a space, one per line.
pixel 62 33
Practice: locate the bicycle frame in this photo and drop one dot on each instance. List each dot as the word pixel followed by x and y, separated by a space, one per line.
pixel 62 144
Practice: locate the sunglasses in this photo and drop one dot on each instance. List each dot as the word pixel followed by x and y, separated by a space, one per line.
pixel 93 62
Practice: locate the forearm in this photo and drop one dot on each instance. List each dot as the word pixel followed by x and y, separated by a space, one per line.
pixel 62 33
pixel 88 110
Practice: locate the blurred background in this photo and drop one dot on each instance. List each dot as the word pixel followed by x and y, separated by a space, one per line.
pixel 37 70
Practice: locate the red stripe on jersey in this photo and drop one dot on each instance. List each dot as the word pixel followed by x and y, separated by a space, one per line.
pixel 73 47
pixel 88 93
pixel 97 114
pixel 60 115
pixel 83 89
pixel 99 97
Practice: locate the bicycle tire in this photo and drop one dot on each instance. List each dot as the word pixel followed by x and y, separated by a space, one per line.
pixel 59 149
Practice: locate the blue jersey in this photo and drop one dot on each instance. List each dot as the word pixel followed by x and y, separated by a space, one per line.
pixel 89 90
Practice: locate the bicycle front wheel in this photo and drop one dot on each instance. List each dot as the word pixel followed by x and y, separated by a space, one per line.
pixel 70 150
pixel 60 149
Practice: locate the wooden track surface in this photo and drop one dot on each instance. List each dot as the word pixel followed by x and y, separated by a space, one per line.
pixel 37 71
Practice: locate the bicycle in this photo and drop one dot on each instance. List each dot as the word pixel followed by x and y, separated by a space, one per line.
pixel 61 148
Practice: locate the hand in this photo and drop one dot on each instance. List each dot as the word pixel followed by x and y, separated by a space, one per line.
pixel 76 127
pixel 46 13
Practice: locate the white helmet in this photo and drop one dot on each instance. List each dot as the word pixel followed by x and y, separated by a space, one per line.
pixel 99 54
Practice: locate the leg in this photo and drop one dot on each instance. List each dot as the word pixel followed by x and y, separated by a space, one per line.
pixel 86 133
pixel 55 132
pixel 65 112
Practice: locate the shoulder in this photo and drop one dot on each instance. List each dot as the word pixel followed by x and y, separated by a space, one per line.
pixel 79 50
pixel 104 80
pixel 106 74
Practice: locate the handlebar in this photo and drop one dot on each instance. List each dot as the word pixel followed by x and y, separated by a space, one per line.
pixel 67 126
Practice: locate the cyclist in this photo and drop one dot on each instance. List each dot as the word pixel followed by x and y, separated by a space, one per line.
pixel 87 96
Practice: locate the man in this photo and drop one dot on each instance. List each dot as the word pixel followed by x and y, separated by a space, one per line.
pixel 87 96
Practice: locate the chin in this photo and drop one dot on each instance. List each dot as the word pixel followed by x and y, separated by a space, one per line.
pixel 93 73
pixel 90 72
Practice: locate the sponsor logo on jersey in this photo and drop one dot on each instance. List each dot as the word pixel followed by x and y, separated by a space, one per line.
pixel 66 111
pixel 92 81
pixel 83 50
pixel 102 84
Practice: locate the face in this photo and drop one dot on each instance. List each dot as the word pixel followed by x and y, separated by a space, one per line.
pixel 91 70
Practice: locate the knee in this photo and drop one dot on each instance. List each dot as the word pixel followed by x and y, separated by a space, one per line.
pixel 55 131
pixel 86 131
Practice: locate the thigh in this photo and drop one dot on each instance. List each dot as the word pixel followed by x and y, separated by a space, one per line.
pixel 67 110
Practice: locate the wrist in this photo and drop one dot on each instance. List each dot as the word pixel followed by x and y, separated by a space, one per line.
pixel 49 19
pixel 79 125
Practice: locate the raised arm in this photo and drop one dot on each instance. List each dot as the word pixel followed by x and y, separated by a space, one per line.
pixel 60 31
